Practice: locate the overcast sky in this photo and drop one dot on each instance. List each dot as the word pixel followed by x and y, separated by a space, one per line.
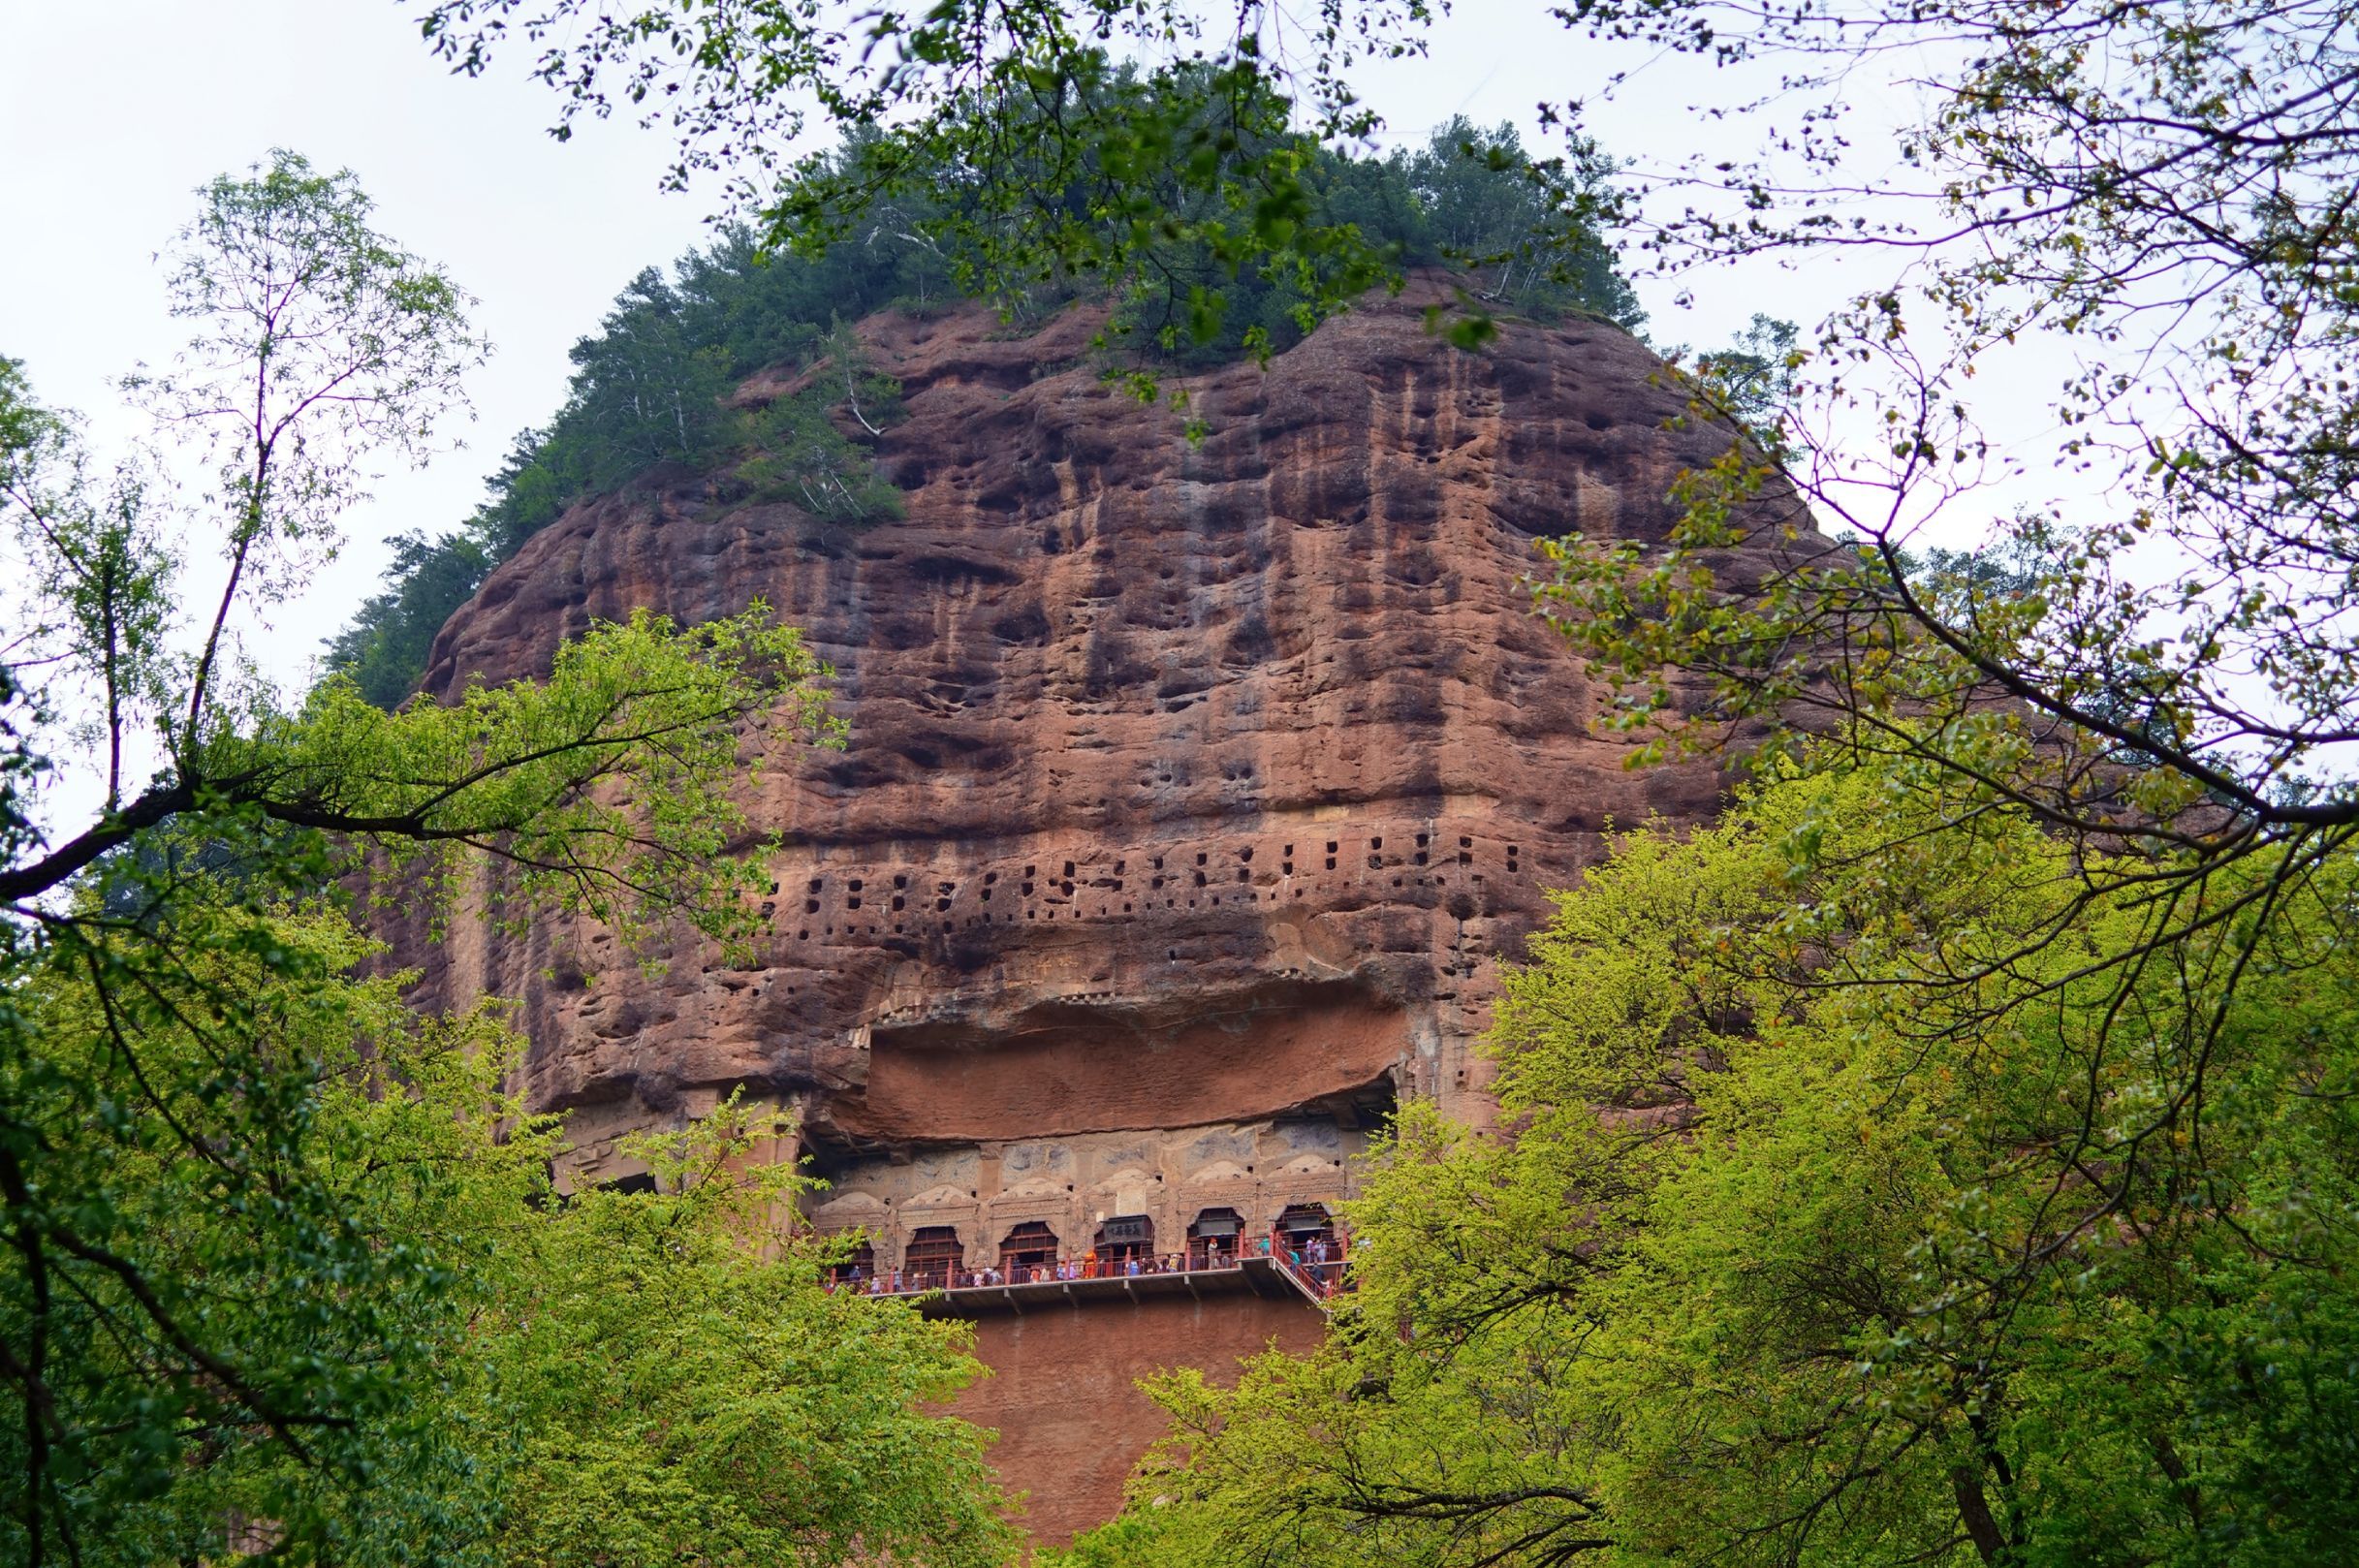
pixel 114 113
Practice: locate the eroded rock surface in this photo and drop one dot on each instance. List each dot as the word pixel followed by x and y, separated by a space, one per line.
pixel 1194 792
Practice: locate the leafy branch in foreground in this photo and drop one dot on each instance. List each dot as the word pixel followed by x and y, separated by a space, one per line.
pixel 1846 1219
pixel 2157 664
pixel 612 789
pixel 309 1296
pixel 232 1319
pixel 1002 112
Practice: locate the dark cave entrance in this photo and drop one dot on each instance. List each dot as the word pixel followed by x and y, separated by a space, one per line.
pixel 1123 1238
pixel 933 1257
pixel 1212 1240
pixel 1302 1224
pixel 1028 1246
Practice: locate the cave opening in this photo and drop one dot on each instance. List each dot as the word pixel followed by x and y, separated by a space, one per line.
pixel 1212 1239
pixel 1302 1224
pixel 855 1266
pixel 933 1257
pixel 1126 1238
pixel 1028 1246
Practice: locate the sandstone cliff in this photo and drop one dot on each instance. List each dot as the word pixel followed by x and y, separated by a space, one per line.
pixel 1194 791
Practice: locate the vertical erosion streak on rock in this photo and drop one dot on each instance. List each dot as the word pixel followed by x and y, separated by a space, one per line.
pixel 1195 791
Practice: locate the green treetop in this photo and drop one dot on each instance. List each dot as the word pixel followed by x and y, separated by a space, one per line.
pixel 1834 1229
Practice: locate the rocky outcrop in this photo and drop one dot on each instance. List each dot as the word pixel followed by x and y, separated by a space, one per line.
pixel 1195 789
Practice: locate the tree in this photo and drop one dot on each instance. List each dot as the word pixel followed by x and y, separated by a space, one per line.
pixel 1753 380
pixel 798 453
pixel 1526 228
pixel 653 392
pixel 2165 190
pixel 316 344
pixel 1039 155
pixel 1798 1257
pixel 161 1045
pixel 689 1392
pixel 385 648
pixel 464 1366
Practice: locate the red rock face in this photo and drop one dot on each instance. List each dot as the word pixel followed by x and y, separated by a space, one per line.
pixel 1194 791
pixel 1064 1393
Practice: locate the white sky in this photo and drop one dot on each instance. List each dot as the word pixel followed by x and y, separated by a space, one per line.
pixel 114 112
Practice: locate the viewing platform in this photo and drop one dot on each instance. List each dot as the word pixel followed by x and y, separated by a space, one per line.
pixel 1269 1277
pixel 1274 1277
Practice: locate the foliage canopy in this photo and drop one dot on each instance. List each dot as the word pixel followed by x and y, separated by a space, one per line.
pixel 314 1295
pixel 1806 1252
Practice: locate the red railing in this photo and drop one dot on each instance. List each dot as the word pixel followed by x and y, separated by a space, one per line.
pixel 1317 1266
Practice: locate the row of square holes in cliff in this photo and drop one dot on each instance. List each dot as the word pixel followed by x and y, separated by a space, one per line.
pixel 1063 890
